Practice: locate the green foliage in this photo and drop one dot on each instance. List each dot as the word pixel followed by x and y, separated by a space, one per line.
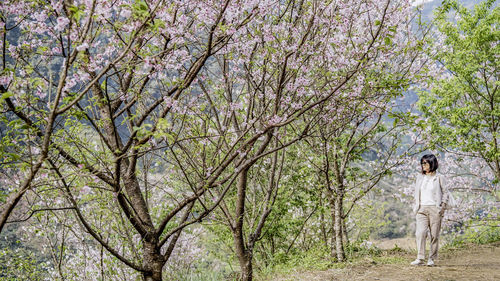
pixel 140 9
pixel 370 218
pixel 480 233
pixel 317 258
pixel 393 224
pixel 463 108
pixel 360 248
pixel 76 12
pixel 20 264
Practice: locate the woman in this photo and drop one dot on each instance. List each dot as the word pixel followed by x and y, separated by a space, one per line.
pixel 431 197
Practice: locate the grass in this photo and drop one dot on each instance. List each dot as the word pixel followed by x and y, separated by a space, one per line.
pixel 320 260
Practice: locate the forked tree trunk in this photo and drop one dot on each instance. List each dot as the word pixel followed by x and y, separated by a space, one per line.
pixel 153 261
pixel 246 268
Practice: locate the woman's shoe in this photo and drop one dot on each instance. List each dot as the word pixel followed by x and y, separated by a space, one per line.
pixel 417 262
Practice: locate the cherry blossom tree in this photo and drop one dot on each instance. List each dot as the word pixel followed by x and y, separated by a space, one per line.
pixel 358 149
pixel 312 75
pixel 101 84
pixel 139 117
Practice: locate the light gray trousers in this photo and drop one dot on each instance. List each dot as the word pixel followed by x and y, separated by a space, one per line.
pixel 428 218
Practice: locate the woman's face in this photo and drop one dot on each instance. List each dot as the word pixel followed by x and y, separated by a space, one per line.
pixel 426 167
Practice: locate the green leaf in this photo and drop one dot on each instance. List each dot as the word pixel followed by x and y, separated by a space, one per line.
pixel 6 95
pixel 388 41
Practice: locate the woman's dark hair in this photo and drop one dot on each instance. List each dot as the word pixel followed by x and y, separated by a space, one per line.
pixel 432 160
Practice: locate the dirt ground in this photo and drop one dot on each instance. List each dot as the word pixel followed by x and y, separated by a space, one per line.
pixel 479 262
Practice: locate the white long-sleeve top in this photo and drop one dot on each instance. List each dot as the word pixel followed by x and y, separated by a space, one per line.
pixel 427 191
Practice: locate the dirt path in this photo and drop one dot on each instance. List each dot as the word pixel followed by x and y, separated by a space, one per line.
pixel 473 263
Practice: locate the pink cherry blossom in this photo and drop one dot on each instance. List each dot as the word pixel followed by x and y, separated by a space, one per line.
pixel 125 13
pixel 62 22
pixel 82 47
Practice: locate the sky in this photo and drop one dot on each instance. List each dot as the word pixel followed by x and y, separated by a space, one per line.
pixel 419 2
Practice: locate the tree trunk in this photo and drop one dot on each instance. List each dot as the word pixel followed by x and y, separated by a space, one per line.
pixel 245 256
pixel 333 244
pixel 323 222
pixel 338 225
pixel 243 252
pixel 345 237
pixel 246 268
pixel 153 262
pixel 134 193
